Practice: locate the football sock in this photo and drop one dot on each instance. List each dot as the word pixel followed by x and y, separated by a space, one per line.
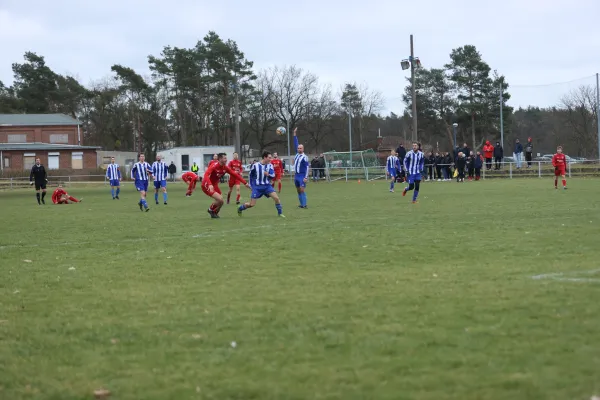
pixel 392 185
pixel 37 195
pixel 555 182
pixel 279 208
pixel 564 182
pixel 73 199
pixel 300 198
pixel 165 197
pixel 415 195
pixel 43 195
pixel 143 201
pixel 242 207
pixel 112 191
pixel 304 198
pixel 228 197
pixel 279 185
pixel 156 197
pixel 118 191
pixel 237 198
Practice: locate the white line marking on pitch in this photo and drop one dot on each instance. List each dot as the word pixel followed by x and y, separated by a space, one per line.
pixel 560 276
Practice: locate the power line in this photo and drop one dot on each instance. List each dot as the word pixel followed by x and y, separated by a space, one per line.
pixel 550 84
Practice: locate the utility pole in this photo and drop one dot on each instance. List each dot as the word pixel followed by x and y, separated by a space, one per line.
pixel 238 144
pixel 350 134
pixel 501 117
pixel 414 89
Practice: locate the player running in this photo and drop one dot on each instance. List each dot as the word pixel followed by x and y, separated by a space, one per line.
pixel 210 183
pixel 559 161
pixel 278 167
pixel 190 178
pixel 392 165
pixel 235 165
pixel 141 173
pixel 160 170
pixel 262 174
pixel 40 178
pixel 113 174
pixel 60 196
pixel 414 163
pixel 301 165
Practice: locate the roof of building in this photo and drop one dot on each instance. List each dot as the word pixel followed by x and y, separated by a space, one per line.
pixel 37 120
pixel 43 146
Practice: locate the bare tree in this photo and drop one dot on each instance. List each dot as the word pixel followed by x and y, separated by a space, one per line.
pixel 260 114
pixel 581 116
pixel 363 103
pixel 290 92
pixel 319 116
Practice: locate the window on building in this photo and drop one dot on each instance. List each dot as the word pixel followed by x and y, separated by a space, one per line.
pixel 16 138
pixel 77 161
pixel 59 138
pixel 28 160
pixel 185 162
pixel 6 162
pixel 207 159
pixel 53 160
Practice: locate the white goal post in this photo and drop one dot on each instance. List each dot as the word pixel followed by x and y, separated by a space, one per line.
pixel 345 165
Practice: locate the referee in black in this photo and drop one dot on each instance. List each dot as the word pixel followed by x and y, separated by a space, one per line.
pixel 39 177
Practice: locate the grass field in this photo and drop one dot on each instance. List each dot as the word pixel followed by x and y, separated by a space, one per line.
pixel 362 296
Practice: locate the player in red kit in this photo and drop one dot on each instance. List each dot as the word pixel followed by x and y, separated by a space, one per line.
pixel 559 161
pixel 190 178
pixel 213 161
pixel 60 196
pixel 210 183
pixel 235 165
pixel 278 167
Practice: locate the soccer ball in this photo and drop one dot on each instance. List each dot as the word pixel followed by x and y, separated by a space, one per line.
pixel 280 131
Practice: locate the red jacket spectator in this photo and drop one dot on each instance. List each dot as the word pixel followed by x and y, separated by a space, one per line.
pixel 488 150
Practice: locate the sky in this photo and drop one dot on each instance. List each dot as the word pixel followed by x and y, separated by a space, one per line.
pixel 537 45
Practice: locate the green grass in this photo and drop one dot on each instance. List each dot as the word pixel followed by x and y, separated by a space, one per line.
pixel 363 295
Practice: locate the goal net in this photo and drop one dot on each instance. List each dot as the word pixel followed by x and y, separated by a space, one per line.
pixel 345 165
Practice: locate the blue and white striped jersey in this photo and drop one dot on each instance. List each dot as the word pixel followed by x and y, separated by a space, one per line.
pixel 141 171
pixel 160 170
pixel 301 163
pixel 257 174
pixel 113 172
pixel 392 163
pixel 414 162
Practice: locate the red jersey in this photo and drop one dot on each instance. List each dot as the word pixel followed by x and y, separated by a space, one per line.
pixel 213 174
pixel 58 193
pixel 236 165
pixel 189 177
pixel 559 160
pixel 277 166
pixel 212 162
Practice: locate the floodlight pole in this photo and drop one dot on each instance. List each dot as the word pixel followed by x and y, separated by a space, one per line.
pixel 350 133
pixel 501 117
pixel 414 89
pixel 598 110
pixel 287 121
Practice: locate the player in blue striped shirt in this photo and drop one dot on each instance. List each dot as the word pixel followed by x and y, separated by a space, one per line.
pixel 414 163
pixel 261 181
pixel 113 174
pixel 141 172
pixel 301 169
pixel 160 170
pixel 391 166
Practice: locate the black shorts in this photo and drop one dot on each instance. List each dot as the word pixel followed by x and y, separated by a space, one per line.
pixel 40 185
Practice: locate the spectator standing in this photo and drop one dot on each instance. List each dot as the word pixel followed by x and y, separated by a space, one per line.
pixel 478 163
pixel 461 163
pixel 529 152
pixel 438 166
pixel 448 161
pixel 430 163
pixel 401 153
pixel 518 153
pixel 488 153
pixel 314 166
pixel 498 155
pixel 172 171
pixel 466 150
pixel 321 166
pixel 471 165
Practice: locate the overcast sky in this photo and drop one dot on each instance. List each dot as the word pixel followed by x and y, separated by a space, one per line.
pixel 531 42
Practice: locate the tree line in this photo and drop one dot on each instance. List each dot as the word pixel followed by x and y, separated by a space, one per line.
pixel 189 100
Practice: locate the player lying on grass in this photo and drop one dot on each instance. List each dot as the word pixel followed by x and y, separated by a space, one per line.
pixel 261 176
pixel 190 178
pixel 60 196
pixel 559 161
pixel 210 183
